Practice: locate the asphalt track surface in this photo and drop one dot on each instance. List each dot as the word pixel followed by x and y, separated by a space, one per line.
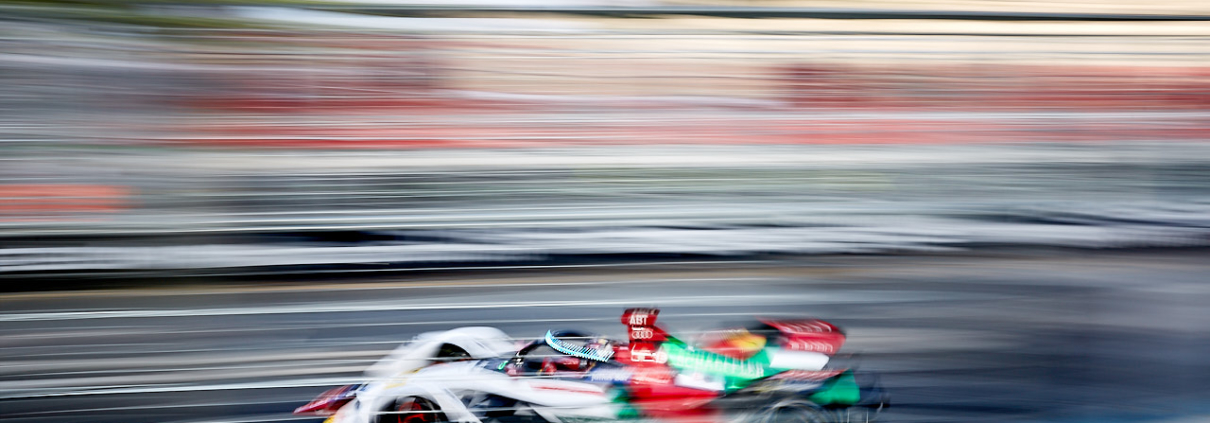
pixel 1107 336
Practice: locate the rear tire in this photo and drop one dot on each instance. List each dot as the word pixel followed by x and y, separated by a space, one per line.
pixel 789 411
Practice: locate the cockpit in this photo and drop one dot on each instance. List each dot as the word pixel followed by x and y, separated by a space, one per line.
pixel 561 352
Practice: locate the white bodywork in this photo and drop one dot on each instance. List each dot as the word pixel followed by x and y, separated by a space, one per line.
pixel 479 341
pixel 797 360
pixel 409 371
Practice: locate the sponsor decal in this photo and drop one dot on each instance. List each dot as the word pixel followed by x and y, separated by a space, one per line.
pixel 567 388
pixel 638 333
pixel 639 316
pixel 614 376
pixel 699 380
pixel 646 352
pixel 712 363
pixel 802 326
pixel 809 345
pixel 653 376
pixel 806 375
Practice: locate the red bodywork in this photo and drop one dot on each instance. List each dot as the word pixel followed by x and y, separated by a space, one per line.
pixel 327 403
pixel 808 335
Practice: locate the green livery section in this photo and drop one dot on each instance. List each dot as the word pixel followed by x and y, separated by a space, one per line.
pixel 681 357
pixel 840 390
pixel 737 374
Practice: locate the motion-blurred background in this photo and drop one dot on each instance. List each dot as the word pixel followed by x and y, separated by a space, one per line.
pixel 212 210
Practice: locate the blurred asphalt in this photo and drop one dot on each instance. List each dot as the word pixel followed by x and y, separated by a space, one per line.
pixel 1104 336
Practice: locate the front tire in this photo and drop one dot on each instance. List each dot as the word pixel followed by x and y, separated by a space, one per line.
pixel 413 410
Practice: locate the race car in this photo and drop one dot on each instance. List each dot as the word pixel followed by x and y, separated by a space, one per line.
pixel 770 371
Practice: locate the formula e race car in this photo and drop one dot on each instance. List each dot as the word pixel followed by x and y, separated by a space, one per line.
pixel 772 371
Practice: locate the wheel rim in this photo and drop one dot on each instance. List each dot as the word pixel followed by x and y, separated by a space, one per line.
pixel 793 414
pixel 413 410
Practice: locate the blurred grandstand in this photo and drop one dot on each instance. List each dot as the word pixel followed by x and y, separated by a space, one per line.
pixel 251 136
